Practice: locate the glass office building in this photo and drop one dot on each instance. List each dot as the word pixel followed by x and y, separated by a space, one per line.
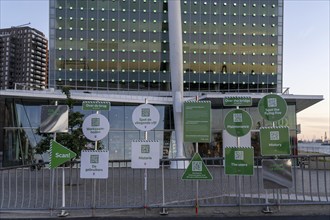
pixel 228 46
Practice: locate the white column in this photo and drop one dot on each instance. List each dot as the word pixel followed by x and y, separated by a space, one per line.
pixel 176 66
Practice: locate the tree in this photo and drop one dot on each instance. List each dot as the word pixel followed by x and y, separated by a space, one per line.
pixel 74 139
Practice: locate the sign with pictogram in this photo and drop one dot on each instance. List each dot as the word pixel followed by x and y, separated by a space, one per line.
pixel 272 107
pixel 94 164
pixel 145 117
pixel 197 170
pixel 96 127
pixel 238 122
pixel 274 141
pixel 145 154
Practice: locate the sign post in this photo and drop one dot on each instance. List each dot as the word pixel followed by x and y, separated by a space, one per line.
pixel 55 118
pixel 274 141
pixel 197 128
pixel 59 155
pixel 95 127
pixel 239 160
pixel 145 117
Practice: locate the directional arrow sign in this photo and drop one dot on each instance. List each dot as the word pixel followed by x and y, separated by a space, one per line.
pixel 59 154
pixel 197 170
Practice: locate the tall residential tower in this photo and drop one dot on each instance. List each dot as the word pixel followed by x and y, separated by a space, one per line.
pixel 23 58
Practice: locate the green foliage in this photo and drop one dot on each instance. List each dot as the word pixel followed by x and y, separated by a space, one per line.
pixel 74 139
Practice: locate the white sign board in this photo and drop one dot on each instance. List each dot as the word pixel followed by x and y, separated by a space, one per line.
pixel 145 117
pixel 96 127
pixel 94 164
pixel 145 154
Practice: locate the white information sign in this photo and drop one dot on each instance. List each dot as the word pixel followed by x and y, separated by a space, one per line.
pixel 96 127
pixel 145 117
pixel 145 154
pixel 94 164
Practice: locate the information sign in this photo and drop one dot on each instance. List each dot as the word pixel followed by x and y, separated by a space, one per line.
pixel 238 122
pixel 95 105
pixel 272 107
pixel 94 164
pixel 197 170
pixel 274 141
pixel 145 154
pixel 239 161
pixel 96 127
pixel 145 117
pixel 197 122
pixel 59 154
pixel 237 101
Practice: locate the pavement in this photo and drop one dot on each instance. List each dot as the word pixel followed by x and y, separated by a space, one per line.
pixel 313 212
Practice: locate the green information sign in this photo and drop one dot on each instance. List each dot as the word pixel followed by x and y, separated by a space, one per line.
pixel 197 122
pixel 239 161
pixel 272 107
pixel 197 170
pixel 96 105
pixel 237 101
pixel 59 154
pixel 238 122
pixel 274 141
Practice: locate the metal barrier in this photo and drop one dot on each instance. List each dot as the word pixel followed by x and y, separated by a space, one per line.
pixel 23 188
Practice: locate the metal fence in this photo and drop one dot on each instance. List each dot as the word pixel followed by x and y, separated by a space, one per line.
pixel 23 188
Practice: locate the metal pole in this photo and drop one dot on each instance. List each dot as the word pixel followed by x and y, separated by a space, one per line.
pixel 145 174
pixel 176 66
pixel 63 212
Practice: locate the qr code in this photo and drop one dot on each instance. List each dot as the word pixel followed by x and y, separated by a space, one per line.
pixel 238 117
pixel 95 122
pixel 94 159
pixel 145 112
pixel 272 102
pixel 274 135
pixel 239 155
pixel 145 149
pixel 196 165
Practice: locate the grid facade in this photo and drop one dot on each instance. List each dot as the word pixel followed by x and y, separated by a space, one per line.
pixel 23 58
pixel 228 46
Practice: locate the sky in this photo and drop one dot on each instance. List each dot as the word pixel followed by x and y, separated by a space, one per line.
pixel 306 52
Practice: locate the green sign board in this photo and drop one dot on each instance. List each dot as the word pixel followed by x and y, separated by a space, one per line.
pixel 197 170
pixel 197 122
pixel 237 101
pixel 239 161
pixel 59 154
pixel 272 107
pixel 274 141
pixel 238 122
pixel 95 105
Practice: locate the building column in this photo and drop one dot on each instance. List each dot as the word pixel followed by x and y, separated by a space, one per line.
pixel 176 67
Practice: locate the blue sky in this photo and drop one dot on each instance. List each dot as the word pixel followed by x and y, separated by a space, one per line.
pixel 306 51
